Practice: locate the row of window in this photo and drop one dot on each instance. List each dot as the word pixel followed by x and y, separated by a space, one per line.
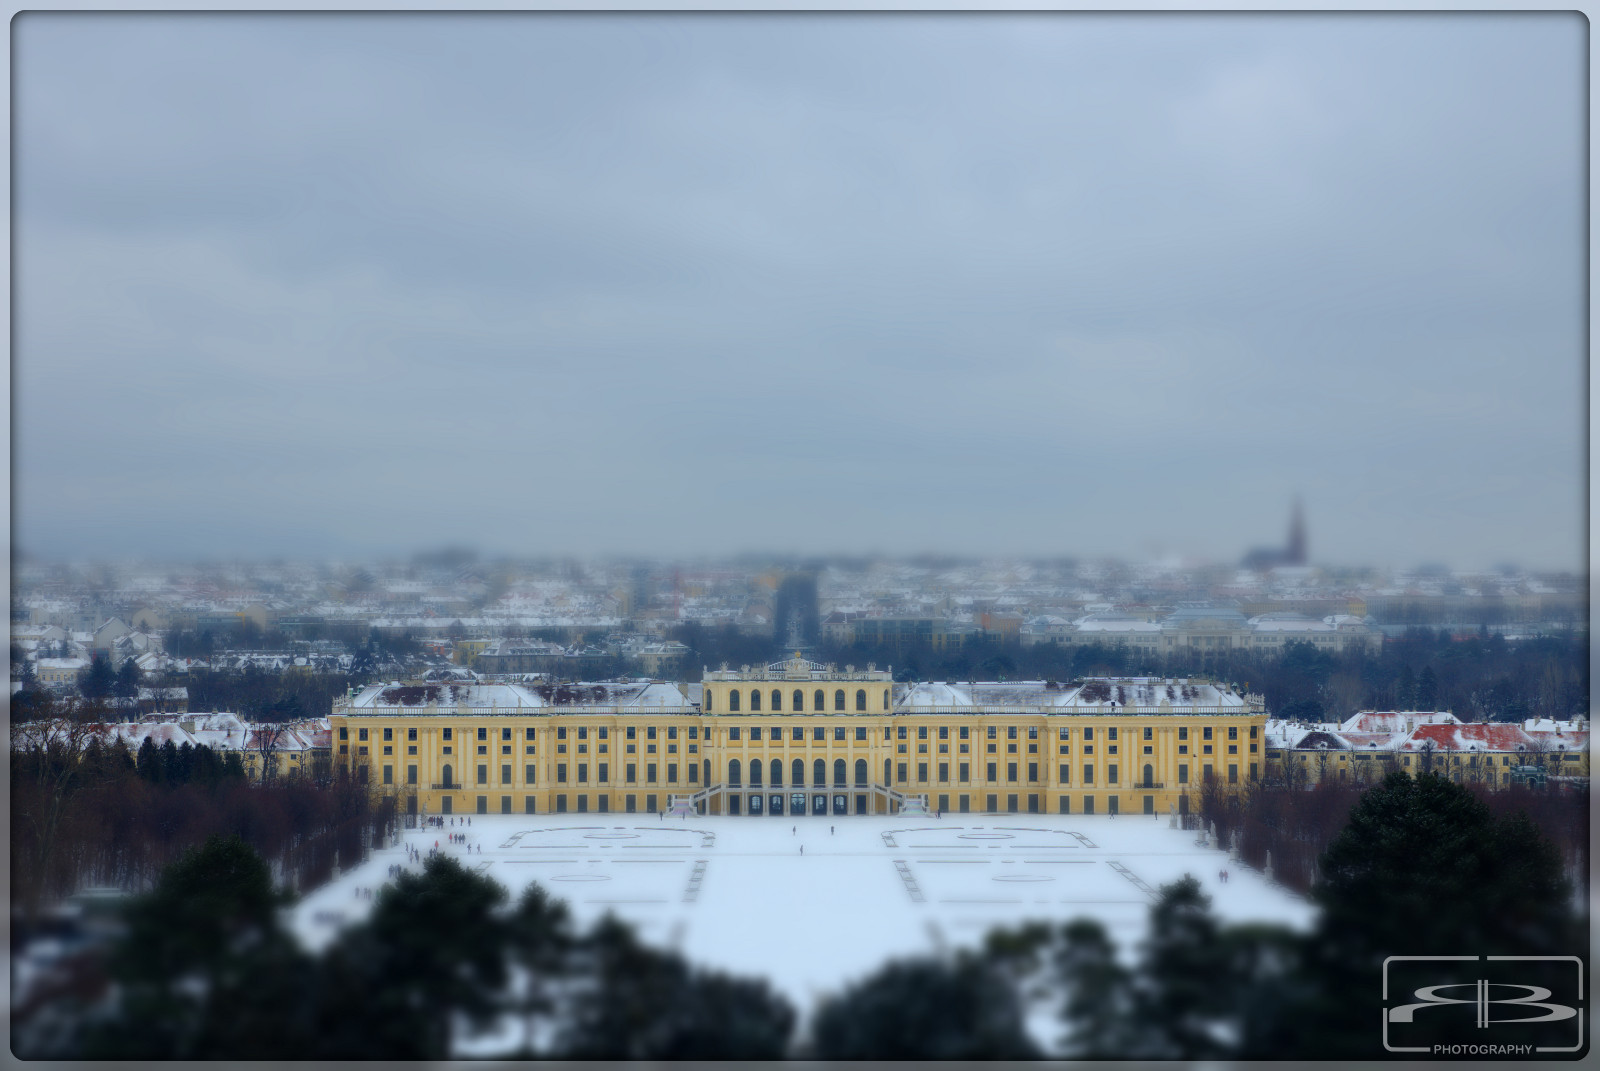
pixel 797 700
pixel 797 732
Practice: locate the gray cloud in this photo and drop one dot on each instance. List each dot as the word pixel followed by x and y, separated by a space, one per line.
pixel 1054 284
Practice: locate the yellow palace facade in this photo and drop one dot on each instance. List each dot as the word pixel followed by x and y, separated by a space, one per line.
pixel 797 737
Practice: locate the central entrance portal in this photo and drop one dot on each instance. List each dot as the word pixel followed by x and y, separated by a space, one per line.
pixel 841 804
pixel 819 804
pixel 797 803
pixel 775 805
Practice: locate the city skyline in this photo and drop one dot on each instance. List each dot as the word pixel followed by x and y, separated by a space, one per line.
pixel 999 285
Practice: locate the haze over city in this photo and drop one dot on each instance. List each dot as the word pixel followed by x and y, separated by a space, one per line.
pixel 1036 285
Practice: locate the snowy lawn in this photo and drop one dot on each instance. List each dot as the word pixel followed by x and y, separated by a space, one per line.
pixel 739 895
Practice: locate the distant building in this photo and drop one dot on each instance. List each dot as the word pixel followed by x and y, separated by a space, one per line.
pixel 1262 559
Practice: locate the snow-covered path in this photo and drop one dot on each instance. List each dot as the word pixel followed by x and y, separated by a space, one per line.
pixel 739 894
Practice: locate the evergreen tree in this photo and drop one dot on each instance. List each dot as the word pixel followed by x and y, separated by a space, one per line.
pixel 1422 868
pixel 204 970
pixel 1098 1011
pixel 97 681
pixel 126 685
pixel 924 1009
pixel 1427 689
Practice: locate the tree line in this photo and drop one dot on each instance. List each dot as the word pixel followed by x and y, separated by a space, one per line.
pixel 205 969
pixel 88 811
pixel 1481 677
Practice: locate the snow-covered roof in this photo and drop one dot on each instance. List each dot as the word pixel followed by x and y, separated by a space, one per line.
pixel 444 694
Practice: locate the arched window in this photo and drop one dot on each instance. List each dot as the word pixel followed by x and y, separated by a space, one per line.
pixel 838 699
pixel 817 702
pixel 447 775
pixel 755 773
pixel 733 701
pixel 886 768
pixel 838 773
pixel 777 699
pixel 799 701
pixel 733 772
pixel 777 773
pixel 798 773
pixel 886 699
pixel 861 700
pixel 708 771
pixel 1149 776
pixel 819 773
pixel 755 699
pixel 709 694
pixel 861 771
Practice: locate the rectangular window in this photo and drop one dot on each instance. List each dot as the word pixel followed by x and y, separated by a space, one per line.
pixel 603 801
pixel 411 775
pixel 528 735
pixel 388 735
pixel 583 773
pixel 672 732
pixel 1088 774
pixel 650 732
pixel 630 733
pixel 861 732
pixel 529 805
pixel 583 734
pixel 1011 732
pixel 992 775
pixel 694 732
pixel 650 803
pixel 561 773
pixel 361 734
pixel 944 732
pixel 755 733
pixel 388 775
pixel 816 734
pixel 838 732
pixel 1233 732
pixel 1111 733
pixel 411 734
pixel 561 803
pixel 901 733
pixel 944 772
pixel 1011 771
pixel 530 774
pixel 604 773
pixel 483 734
pixel 630 772
pixel 1253 729
pixel 993 732
pixel 672 773
pixel 694 773
pixel 483 804
pixel 1149 733
pixel 992 802
pixel 1205 733
pixel 900 771
pixel 1065 807
pixel 344 733
pixel 733 734
pixel 1183 732
pixel 964 770
pixel 1253 775
pixel 1088 805
pixel 505 734
pixel 1233 773
pixel 922 732
pixel 962 732
pixel 1183 773
pixel 505 805
pixel 483 774
pixel 1111 775
pixel 650 773
pixel 505 774
pixel 561 732
pixel 1033 771
pixel 922 771
pixel 1066 774
pixel 1088 732
pixel 1011 803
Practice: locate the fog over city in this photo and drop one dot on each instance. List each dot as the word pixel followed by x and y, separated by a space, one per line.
pixel 1038 285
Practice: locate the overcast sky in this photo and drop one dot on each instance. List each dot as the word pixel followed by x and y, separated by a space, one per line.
pixel 1035 284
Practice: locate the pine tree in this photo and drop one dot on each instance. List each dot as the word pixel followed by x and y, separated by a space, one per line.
pixel 1427 689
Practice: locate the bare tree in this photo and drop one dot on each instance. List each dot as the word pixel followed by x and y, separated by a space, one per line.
pixel 47 765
